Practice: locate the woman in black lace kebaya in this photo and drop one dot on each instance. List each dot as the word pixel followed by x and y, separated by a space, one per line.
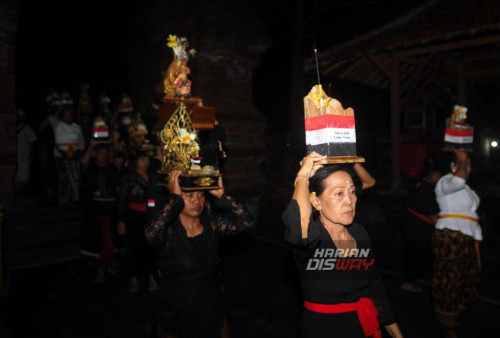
pixel 185 236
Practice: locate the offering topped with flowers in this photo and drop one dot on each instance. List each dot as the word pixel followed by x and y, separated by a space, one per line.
pixel 176 82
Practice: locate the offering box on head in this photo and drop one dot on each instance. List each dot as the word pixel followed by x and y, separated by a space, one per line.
pixel 330 129
pixel 203 117
pixel 182 119
pixel 458 133
pixel 100 131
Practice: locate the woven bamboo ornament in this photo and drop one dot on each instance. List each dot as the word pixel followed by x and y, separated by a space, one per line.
pixel 181 151
pixel 179 140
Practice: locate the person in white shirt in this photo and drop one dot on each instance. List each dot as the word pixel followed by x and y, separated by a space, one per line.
pixel 455 241
pixel 69 142
pixel 25 138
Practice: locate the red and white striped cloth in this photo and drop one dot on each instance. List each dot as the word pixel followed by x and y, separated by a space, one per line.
pixel 460 136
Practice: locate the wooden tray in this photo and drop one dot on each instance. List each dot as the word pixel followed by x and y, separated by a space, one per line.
pixel 342 159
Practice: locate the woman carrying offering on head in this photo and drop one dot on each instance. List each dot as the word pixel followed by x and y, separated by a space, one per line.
pixel 343 293
pixel 185 236
pixel 455 241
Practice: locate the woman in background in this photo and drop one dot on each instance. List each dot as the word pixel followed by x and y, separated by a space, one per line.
pixel 421 215
pixel 132 219
pixel 455 241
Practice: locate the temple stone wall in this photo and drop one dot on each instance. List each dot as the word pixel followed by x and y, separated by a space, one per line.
pixel 8 28
pixel 229 42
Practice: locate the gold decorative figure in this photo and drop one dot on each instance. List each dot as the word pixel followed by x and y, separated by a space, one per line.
pixel 176 82
pixel 180 141
pixel 137 133
pixel 204 181
pixel 457 118
pixel 458 133
pixel 117 144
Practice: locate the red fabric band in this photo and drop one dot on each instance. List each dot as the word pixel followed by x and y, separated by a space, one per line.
pixel 459 132
pixel 423 217
pixel 329 121
pixel 137 206
pixel 367 313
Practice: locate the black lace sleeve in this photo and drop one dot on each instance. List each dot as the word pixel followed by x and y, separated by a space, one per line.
pixel 231 217
pixel 156 230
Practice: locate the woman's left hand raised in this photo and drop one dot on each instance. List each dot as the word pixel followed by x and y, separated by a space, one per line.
pixel 218 192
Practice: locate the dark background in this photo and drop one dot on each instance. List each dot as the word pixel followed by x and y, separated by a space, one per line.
pixel 63 44
pixel 120 46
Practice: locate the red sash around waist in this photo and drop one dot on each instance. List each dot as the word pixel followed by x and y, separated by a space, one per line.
pixel 367 313
pixel 137 206
pixel 423 217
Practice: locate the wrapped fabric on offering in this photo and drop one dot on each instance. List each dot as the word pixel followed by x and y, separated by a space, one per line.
pixel 330 129
pixel 66 99
pixel 126 105
pixel 458 133
pixel 54 99
pixel 100 130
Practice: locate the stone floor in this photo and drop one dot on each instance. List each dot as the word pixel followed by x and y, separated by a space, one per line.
pixel 50 294
pixel 262 300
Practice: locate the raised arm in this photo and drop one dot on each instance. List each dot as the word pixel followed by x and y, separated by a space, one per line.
pixel 301 193
pixel 365 177
pixel 230 216
pixel 53 119
pixel 85 160
pixel 234 218
pixel 460 170
pixel 80 142
pixel 155 231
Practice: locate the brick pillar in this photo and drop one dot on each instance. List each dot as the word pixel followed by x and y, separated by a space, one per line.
pixel 230 41
pixel 8 28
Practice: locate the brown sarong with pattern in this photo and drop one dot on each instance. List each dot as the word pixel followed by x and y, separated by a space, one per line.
pixel 456 274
